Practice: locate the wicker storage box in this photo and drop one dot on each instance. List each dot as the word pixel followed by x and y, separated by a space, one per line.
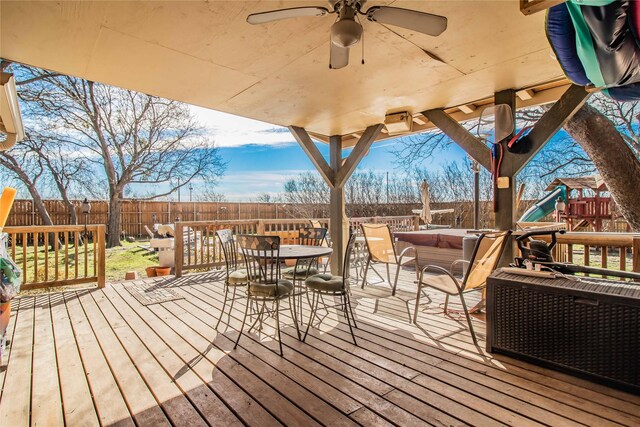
pixel 589 328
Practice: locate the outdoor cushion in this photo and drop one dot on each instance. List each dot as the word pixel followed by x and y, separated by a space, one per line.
pixel 324 283
pixel 238 277
pixel 300 272
pixel 283 287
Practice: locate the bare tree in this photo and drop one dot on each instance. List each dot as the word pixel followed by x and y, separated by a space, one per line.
pixel 132 138
pixel 27 167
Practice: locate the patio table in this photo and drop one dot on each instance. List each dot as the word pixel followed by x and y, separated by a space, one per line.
pixel 298 252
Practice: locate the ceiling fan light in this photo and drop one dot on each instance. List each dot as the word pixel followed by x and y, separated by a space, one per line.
pixel 346 33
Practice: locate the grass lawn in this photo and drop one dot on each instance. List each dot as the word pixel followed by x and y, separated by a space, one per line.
pixel 128 257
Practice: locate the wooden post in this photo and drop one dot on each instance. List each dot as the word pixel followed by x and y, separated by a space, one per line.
pixel 506 197
pixel 635 253
pixel 179 248
pixel 336 207
pixel 260 227
pixel 101 255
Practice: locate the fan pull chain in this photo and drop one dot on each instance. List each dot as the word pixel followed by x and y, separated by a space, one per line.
pixel 363 32
pixel 363 48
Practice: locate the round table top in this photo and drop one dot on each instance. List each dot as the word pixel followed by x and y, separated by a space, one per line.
pixel 303 251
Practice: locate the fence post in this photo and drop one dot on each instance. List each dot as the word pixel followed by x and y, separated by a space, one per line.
pixel 100 231
pixel 179 248
pixel 635 254
pixel 260 229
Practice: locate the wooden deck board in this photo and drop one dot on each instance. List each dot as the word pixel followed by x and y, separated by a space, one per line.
pixel 109 402
pixel 15 406
pixel 165 364
pixel 78 407
pixel 46 401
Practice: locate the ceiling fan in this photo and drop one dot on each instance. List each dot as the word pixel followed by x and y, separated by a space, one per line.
pixel 347 31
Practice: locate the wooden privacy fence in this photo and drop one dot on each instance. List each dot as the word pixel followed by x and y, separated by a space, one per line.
pixel 58 255
pixel 137 213
pixel 199 249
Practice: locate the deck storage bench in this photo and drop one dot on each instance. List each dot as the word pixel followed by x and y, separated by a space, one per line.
pixel 588 328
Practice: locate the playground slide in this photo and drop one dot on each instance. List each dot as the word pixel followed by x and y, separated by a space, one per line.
pixel 544 206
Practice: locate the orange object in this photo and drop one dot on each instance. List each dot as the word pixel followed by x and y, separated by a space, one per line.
pixel 6 202
pixel 163 271
pixel 5 315
pixel 151 271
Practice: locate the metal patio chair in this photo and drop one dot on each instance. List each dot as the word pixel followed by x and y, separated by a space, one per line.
pixel 381 250
pixel 234 277
pixel 262 263
pixel 327 284
pixel 484 259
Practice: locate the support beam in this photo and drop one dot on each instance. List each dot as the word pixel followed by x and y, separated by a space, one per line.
pixel 359 151
pixel 454 130
pixel 314 154
pixel 337 217
pixel 552 121
pixel 505 198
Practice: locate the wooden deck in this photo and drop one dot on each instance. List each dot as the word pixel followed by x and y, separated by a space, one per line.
pixel 99 357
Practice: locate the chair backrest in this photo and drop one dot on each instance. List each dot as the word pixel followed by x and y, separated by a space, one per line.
pixel 485 258
pixel 228 248
pixel 261 256
pixel 312 236
pixel 379 242
pixel 315 223
pixel 346 266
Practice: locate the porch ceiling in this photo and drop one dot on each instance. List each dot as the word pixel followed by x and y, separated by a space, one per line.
pixel 204 53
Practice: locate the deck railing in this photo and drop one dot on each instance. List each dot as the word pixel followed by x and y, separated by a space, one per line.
pixel 619 251
pixel 58 255
pixel 199 249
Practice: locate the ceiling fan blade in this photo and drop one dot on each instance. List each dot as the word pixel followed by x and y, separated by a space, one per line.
pixel 338 57
pixel 294 12
pixel 426 23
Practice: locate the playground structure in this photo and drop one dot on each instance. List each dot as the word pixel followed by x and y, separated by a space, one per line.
pixel 588 206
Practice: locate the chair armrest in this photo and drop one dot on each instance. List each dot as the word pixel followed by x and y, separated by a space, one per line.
pixel 442 271
pixel 459 261
pixel 404 252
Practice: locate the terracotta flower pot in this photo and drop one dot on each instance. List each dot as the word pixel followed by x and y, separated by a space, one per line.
pixel 163 271
pixel 151 271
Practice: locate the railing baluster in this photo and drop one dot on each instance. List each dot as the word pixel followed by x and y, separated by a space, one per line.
pixel 603 256
pixel 75 248
pixel 623 259
pixel 85 241
pixel 66 255
pixel 46 257
pixel 35 255
pixel 587 257
pixel 56 254
pixel 24 257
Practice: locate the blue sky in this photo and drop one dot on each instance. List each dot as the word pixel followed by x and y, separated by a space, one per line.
pixel 261 157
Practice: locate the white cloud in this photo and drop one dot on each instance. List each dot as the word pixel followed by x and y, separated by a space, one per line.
pixel 234 131
pixel 247 185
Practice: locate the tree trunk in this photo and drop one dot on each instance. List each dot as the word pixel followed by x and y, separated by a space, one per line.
pixel 613 158
pixel 114 225
pixel 71 209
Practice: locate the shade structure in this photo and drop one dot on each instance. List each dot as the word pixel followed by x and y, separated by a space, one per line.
pixel 205 53
pixel 425 215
